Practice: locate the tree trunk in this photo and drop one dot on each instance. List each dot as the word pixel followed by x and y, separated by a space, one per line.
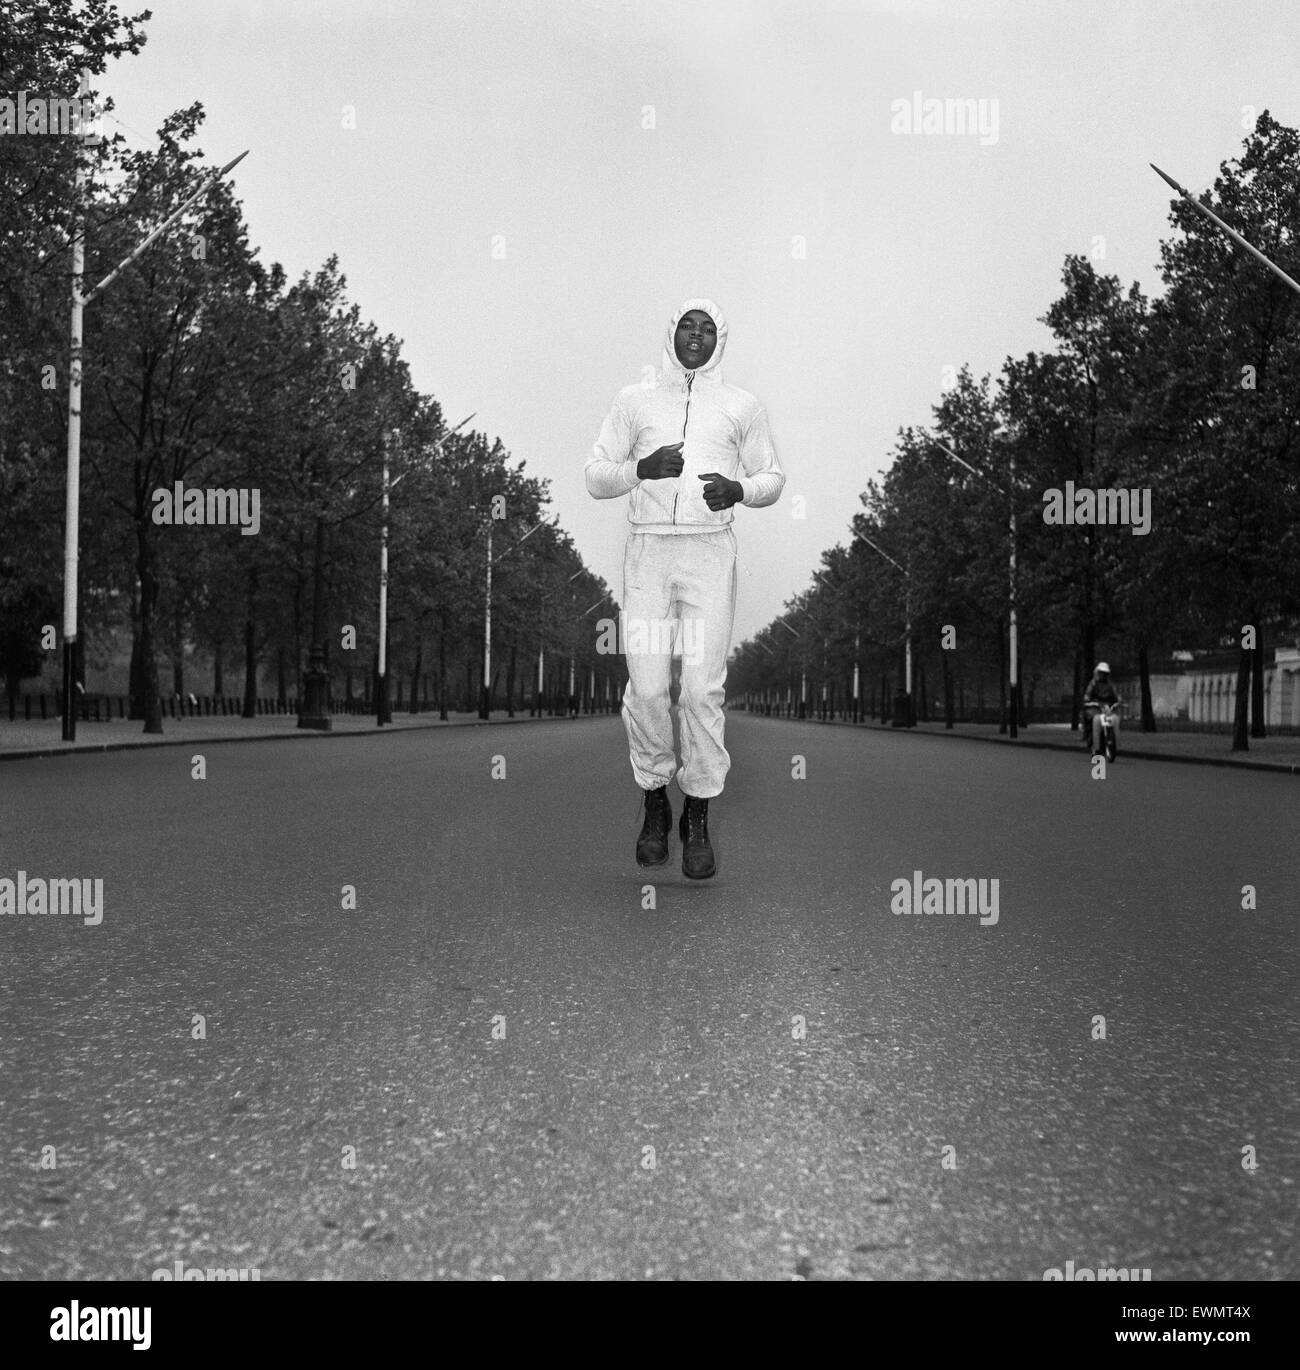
pixel 1144 673
pixel 281 677
pixel 146 571
pixel 135 678
pixel 297 617
pixel 510 680
pixel 415 675
pixel 178 653
pixel 947 691
pixel 1089 650
pixel 218 670
pixel 1076 691
pixel 313 702
pixel 1240 743
pixel 1004 713
pixel 328 684
pixel 1258 723
pixel 442 669
pixel 250 650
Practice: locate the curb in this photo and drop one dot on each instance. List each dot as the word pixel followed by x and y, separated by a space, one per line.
pixel 1280 767
pixel 77 749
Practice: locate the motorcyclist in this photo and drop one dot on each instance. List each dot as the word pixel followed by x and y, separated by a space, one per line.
pixel 1099 691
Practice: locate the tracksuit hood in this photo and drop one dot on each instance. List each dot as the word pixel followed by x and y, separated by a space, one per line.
pixel 713 367
pixel 722 429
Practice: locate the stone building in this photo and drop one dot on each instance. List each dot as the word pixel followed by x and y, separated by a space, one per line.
pixel 1203 693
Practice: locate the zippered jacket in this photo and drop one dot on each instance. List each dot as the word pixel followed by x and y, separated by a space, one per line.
pixel 723 428
pixel 1097 693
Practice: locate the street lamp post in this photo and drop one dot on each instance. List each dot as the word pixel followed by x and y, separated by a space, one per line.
pixel 541 640
pixel 831 595
pixel 72 508
pixel 1013 634
pixel 382 712
pixel 604 599
pixel 1231 232
pixel 1013 639
pixel 72 503
pixel 484 698
pixel 907 629
pixel 768 690
pixel 803 667
pixel 383 707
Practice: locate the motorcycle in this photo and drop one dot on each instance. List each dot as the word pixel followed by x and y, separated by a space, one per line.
pixel 1109 729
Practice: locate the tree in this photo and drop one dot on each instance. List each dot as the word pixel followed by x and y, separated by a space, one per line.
pixel 1224 411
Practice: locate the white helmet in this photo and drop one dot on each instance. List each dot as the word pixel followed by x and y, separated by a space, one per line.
pixel 1102 666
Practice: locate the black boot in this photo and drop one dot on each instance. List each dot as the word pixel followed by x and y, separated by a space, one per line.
pixel 697 854
pixel 652 844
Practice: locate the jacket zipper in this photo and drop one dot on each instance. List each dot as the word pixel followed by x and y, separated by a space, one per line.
pixel 690 378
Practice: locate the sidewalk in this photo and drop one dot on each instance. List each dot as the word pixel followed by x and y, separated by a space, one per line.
pixel 45 738
pixel 22 739
pixel 1208 749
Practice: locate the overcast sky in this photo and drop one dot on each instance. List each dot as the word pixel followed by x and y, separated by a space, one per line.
pixel 771 123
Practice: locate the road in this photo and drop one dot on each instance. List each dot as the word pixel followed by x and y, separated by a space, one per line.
pixel 512 906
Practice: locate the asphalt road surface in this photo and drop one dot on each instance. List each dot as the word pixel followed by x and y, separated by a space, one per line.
pixel 464 1075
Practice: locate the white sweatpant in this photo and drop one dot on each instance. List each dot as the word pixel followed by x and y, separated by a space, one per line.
pixel 678 587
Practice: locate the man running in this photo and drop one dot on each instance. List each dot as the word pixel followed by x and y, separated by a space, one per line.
pixel 687 447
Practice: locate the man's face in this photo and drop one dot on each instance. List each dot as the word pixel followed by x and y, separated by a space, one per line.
pixel 695 339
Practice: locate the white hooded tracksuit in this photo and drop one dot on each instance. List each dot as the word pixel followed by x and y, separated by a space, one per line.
pixel 680 562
